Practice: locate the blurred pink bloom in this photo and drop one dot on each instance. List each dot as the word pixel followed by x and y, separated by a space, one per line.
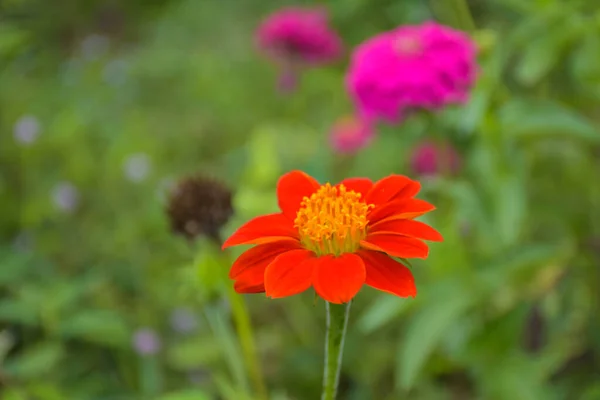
pixel 299 33
pixel 430 158
pixel 351 134
pixel 298 37
pixel 425 66
pixel 146 342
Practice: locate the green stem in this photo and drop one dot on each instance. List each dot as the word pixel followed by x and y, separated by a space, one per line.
pixel 337 322
pixel 467 22
pixel 150 376
pixel 241 317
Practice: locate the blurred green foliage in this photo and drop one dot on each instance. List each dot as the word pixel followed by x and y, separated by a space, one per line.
pixel 507 306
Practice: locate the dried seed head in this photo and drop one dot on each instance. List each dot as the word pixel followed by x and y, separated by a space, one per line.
pixel 199 205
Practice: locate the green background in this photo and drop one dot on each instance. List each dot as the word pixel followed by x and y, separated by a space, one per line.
pixel 508 306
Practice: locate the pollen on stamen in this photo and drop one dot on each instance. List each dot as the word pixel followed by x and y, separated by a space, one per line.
pixel 332 220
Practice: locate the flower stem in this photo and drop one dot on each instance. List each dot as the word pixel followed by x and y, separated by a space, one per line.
pixel 241 317
pixel 337 321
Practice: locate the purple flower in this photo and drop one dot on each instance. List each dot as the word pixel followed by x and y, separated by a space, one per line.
pixel 431 158
pixel 298 37
pixel 411 67
pixel 26 129
pixel 183 320
pixel 350 134
pixel 146 342
pixel 65 197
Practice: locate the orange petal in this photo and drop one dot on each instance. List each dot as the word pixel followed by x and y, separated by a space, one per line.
pixel 258 257
pixel 248 287
pixel 292 188
pixel 264 229
pixel 393 187
pixel 399 209
pixel 388 275
pixel 396 246
pixel 338 279
pixel 406 227
pixel 359 185
pixel 290 273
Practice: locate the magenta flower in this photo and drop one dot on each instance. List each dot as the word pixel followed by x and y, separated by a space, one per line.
pixel 426 66
pixel 298 37
pixel 430 158
pixel 350 134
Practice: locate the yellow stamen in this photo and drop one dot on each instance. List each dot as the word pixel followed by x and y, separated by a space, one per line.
pixel 333 220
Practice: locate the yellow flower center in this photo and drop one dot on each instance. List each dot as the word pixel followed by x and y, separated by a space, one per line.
pixel 333 220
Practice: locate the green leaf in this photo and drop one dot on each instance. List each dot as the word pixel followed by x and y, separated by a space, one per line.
pixel 45 391
pixel 7 342
pixel 20 312
pixel 263 164
pixel 211 270
pixel 12 39
pixel 510 203
pixel 191 394
pixel 15 267
pixel 250 202
pixel 36 361
pixel 98 326
pixel 500 272
pixel 14 394
pixel 192 353
pixel 541 55
pixel 525 119
pixel 473 112
pixel 592 392
pixel 515 377
pixel 425 332
pixel 380 313
pixel 228 344
pixel 228 391
pixel 585 64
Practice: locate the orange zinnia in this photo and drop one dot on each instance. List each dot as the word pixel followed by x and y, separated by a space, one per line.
pixel 334 238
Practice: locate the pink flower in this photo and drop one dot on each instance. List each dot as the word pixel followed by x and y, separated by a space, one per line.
pixel 351 134
pixel 431 158
pixel 298 37
pixel 425 66
pixel 299 33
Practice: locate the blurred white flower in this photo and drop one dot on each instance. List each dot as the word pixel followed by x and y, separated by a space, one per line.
pixel 26 129
pixel 137 167
pixel 115 72
pixel 94 46
pixel 65 196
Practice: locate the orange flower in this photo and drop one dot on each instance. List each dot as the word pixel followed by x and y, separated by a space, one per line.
pixel 334 238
